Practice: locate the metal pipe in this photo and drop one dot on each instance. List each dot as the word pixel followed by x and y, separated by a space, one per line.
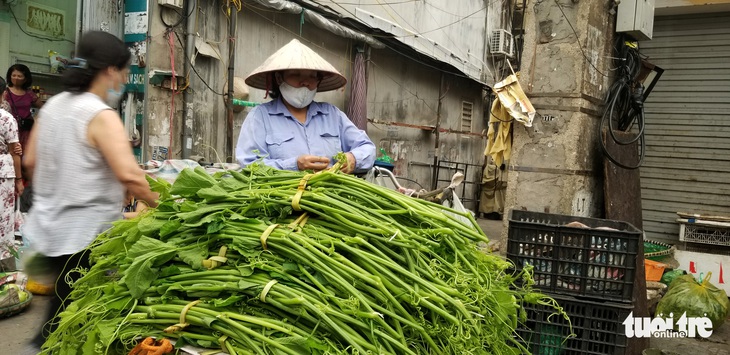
pixel 188 112
pixel 434 178
pixel 231 66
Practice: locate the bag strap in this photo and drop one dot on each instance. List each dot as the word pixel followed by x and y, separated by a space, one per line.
pixel 12 103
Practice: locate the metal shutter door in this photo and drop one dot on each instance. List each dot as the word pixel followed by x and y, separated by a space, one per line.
pixel 687 166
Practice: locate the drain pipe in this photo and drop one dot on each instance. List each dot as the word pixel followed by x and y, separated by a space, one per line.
pixel 231 70
pixel 188 111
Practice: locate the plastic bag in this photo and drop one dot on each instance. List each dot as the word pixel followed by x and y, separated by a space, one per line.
pixel 696 299
pixel 19 218
pixel 670 275
pixel 57 61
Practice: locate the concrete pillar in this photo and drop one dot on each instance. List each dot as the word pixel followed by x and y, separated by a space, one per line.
pixel 555 165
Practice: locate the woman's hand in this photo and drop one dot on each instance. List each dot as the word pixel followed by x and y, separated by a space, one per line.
pixel 18 150
pixel 19 187
pixel 312 162
pixel 350 167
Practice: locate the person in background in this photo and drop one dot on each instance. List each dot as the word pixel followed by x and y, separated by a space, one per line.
pixel 20 99
pixel 81 162
pixel 293 132
pixel 11 185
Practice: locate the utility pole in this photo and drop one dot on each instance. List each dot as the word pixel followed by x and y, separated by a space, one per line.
pixel 232 15
pixel 437 129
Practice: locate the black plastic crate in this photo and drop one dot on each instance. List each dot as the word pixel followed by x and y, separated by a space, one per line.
pixel 598 328
pixel 593 262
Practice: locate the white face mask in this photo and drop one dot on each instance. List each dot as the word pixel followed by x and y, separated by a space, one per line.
pixel 297 97
pixel 113 96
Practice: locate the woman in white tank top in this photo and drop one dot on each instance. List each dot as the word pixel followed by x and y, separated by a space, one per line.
pixel 81 161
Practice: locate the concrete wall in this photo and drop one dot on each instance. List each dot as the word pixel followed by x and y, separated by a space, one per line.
pixel 161 123
pixel 404 92
pixel 555 165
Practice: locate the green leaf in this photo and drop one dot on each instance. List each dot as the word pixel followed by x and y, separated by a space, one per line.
pixel 245 270
pixel 219 303
pixel 171 270
pixel 208 320
pixel 207 344
pixel 147 245
pixel 291 268
pixel 188 206
pixel 232 185
pixel 193 257
pixel 214 194
pixel 89 346
pixel 243 285
pixel 139 276
pixel 189 182
pixel 145 254
pixel 204 210
pixel 168 206
pixel 106 330
pixel 149 225
pixel 216 226
pixel 170 227
pixel 160 185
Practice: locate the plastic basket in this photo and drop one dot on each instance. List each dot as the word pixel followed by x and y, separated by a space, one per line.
pixel 592 262
pixel 654 270
pixel 657 251
pixel 16 308
pixel 598 328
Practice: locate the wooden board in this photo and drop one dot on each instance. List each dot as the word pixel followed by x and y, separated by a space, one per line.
pixel 622 197
pixel 622 187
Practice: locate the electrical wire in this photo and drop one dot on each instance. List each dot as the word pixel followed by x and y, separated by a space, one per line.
pixel 577 39
pixel 624 107
pixel 195 70
pixel 182 17
pixel 36 36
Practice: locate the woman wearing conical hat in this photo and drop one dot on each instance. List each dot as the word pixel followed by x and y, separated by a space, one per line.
pixel 293 132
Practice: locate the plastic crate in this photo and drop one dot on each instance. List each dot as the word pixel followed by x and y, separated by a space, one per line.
pixel 704 232
pixel 598 328
pixel 593 262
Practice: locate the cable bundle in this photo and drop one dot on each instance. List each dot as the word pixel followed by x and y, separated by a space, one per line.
pixel 624 100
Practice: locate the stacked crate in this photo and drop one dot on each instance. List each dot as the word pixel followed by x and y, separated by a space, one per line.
pixel 588 271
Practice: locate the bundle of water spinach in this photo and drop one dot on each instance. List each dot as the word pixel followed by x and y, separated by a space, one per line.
pixel 262 261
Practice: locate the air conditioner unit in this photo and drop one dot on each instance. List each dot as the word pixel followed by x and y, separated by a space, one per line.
pixel 500 43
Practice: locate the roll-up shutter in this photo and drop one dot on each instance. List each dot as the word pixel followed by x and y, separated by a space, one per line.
pixel 687 166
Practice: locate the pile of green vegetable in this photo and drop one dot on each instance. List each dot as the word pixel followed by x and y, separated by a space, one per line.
pixel 264 261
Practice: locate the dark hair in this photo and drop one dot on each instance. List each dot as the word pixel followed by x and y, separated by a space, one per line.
pixel 97 51
pixel 2 85
pixel 26 72
pixel 274 91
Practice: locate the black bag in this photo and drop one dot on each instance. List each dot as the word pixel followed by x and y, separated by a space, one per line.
pixel 24 123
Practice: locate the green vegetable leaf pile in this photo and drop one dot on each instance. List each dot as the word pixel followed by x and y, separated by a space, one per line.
pixel 259 262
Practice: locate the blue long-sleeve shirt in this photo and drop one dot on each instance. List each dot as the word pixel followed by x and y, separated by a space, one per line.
pixel 272 133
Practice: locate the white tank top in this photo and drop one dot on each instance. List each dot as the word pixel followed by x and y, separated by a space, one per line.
pixel 75 193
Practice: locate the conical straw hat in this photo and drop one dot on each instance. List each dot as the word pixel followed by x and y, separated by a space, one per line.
pixel 295 55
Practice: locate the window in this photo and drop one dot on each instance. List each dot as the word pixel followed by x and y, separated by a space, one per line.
pixel 466 114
